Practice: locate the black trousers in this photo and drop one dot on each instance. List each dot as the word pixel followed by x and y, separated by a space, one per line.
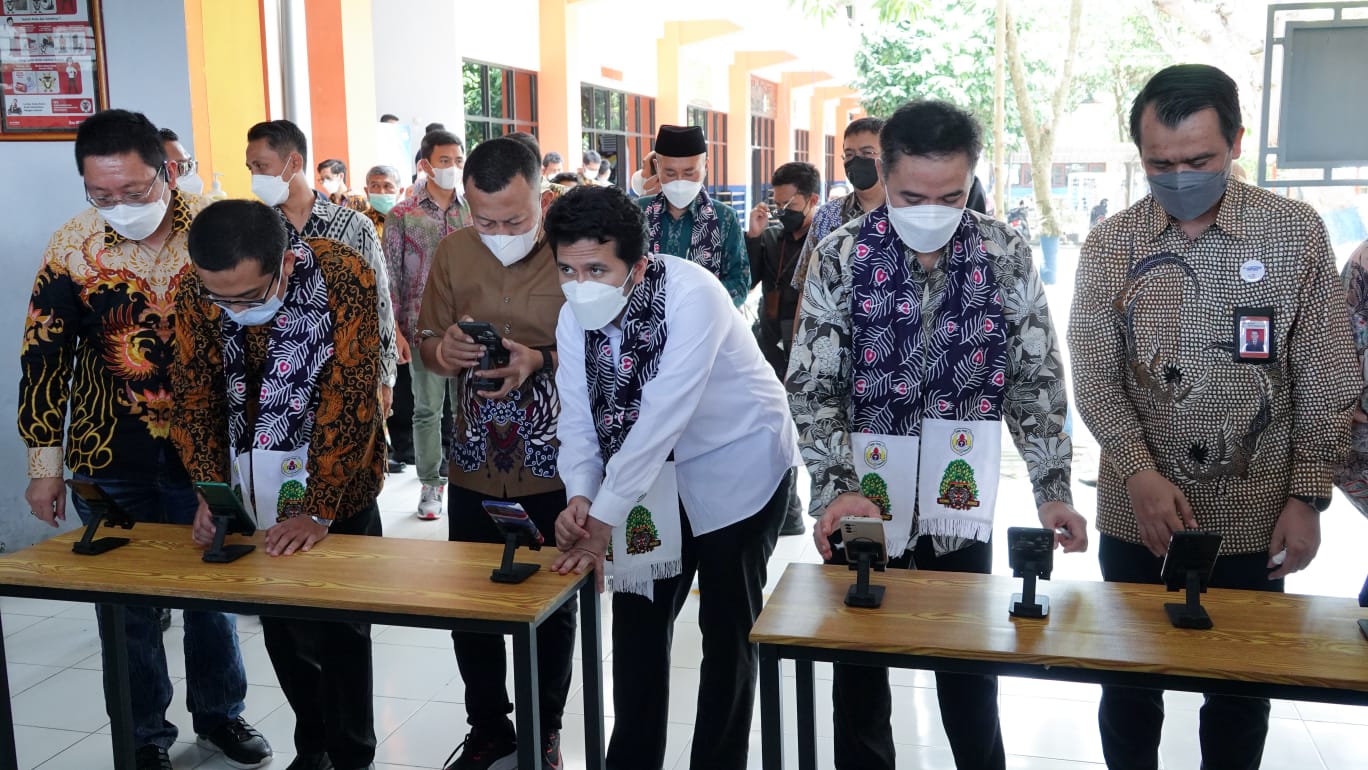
pixel 481 657
pixel 1232 730
pixel 326 674
pixel 863 703
pixel 731 568
pixel 399 424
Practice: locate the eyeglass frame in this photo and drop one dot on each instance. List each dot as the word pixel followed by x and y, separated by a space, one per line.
pixel 246 304
pixel 134 199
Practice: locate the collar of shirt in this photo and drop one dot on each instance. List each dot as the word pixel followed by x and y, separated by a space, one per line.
pixel 180 220
pixel 1228 215
pixel 422 197
pixel 850 207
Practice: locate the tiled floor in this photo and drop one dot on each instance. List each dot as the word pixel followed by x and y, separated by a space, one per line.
pixel 54 669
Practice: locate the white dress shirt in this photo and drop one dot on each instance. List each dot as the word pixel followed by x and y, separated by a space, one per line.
pixel 714 402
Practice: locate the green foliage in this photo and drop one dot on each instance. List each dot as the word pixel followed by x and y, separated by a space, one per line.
pixel 642 536
pixel 960 472
pixel 875 489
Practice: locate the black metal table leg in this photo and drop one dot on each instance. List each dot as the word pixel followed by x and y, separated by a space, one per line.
pixel 807 719
pixel 9 757
pixel 771 710
pixel 527 696
pixel 591 643
pixel 114 636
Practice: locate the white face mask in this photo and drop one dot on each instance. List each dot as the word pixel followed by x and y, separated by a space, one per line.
pixel 190 183
pixel 596 304
pixel 272 190
pixel 681 192
pixel 446 178
pixel 925 228
pixel 510 249
pixel 256 316
pixel 332 186
pixel 136 222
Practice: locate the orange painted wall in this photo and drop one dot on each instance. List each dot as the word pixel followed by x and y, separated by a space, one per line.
pixel 327 88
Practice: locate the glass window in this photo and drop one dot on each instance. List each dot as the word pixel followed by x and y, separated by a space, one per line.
pixel 498 101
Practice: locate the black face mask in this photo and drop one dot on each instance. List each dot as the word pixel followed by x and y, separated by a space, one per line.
pixel 792 221
pixel 862 173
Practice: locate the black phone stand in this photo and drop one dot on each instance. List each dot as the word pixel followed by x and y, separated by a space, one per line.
pixel 1363 628
pixel 1190 614
pixel 862 594
pixel 88 545
pixel 219 553
pixel 510 571
pixel 1027 604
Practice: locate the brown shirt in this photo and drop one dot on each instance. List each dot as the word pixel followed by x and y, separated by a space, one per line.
pixel 1224 362
pixel 507 448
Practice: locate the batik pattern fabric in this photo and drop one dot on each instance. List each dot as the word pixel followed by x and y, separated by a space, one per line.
pixel 723 253
pixel 829 216
pixel 415 227
pixel 490 432
pixel 98 343
pixel 1352 476
pixel 1162 382
pixel 820 376
pixel 705 240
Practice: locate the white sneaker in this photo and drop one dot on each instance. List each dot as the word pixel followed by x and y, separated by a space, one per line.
pixel 430 503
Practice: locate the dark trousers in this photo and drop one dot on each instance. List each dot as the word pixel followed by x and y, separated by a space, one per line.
pixel 863 702
pixel 731 568
pixel 481 657
pixel 399 424
pixel 325 670
pixel 1232 730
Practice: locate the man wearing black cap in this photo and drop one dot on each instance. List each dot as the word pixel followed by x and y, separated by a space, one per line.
pixel 682 219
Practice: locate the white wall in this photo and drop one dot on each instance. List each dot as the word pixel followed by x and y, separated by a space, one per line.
pixel 145 45
pixel 418 64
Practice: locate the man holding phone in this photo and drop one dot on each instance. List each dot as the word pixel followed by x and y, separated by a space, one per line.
pixel 493 289
pixel 274 383
pixel 923 328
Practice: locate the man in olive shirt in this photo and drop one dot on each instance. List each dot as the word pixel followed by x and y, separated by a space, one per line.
pixel 501 272
pixel 1213 361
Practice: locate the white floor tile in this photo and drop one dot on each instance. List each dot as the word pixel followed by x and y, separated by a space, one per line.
pixel 426 738
pixel 44 608
pixel 1341 746
pixel 54 642
pixel 25 675
pixel 70 700
pixel 15 623
pixel 36 745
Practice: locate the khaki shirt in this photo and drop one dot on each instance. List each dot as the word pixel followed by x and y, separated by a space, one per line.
pixel 508 448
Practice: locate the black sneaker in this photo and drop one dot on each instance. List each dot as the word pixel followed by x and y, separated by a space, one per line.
pixel 551 755
pixel 152 757
pixel 311 762
pixel 241 744
pixel 483 750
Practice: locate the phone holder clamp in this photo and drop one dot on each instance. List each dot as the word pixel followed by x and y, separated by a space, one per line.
pixel 1190 614
pixel 88 545
pixel 862 594
pixel 1027 604
pixel 510 571
pixel 219 553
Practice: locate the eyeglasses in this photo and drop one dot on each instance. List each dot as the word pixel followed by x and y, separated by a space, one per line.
pixel 135 199
pixel 185 167
pixel 230 303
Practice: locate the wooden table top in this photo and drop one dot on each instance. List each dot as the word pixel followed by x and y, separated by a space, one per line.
pixel 344 572
pixel 1266 638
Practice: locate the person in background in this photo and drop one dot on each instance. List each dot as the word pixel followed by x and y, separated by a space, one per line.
pixel 99 343
pixel 892 412
pixel 332 177
pixel 552 165
pixel 275 155
pixel 665 397
pixel 382 193
pixel 268 313
pixel 416 227
pixel 501 272
pixel 549 192
pixel 187 178
pixel 388 118
pixel 1198 430
pixel 566 179
pixel 605 174
pixel 590 166
pixel 683 220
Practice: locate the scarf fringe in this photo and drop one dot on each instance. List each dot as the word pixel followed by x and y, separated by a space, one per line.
pixel 640 580
pixel 966 529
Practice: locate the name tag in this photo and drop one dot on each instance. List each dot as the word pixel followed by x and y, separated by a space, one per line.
pixel 1254 335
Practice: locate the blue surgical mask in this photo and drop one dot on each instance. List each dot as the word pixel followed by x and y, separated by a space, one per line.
pixel 256 316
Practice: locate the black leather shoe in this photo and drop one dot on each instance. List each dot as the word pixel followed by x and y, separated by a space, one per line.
pixel 311 762
pixel 151 757
pixel 396 466
pixel 241 744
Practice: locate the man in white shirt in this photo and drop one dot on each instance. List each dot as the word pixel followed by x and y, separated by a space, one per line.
pixel 665 397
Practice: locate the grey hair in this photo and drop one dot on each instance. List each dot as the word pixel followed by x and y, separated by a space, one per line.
pixel 389 172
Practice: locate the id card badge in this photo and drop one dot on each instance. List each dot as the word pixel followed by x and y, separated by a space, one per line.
pixel 1255 342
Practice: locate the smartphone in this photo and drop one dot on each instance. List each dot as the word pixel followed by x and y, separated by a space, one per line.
pixel 512 518
pixel 223 501
pixel 100 501
pixel 495 355
pixel 864 534
pixel 1030 551
pixel 1189 550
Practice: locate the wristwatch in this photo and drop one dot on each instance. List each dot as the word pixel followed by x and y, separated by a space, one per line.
pixel 1317 504
pixel 322 522
pixel 427 334
pixel 548 363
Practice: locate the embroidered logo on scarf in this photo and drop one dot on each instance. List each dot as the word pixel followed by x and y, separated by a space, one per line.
pixel 705 240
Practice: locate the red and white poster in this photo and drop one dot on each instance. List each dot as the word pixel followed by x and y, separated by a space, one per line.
pixel 51 76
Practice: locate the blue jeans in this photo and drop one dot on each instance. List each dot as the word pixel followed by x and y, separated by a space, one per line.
pixel 215 680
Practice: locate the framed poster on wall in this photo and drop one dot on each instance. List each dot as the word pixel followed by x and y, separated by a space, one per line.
pixel 52 73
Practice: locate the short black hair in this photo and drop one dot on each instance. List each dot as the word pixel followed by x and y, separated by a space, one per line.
pixel 282 136
pixel 389 118
pixel 167 135
pixel 803 176
pixel 494 163
pixel 429 128
pixel 552 157
pixel 529 141
pixel 930 128
pixel 867 125
pixel 602 213
pixel 439 138
pixel 230 231
pixel 115 132
pixel 591 156
pixel 334 165
pixel 565 176
pixel 1183 90
pixel 605 167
